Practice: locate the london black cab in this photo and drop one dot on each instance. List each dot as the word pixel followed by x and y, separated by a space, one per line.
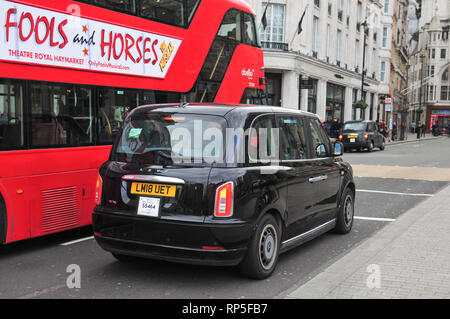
pixel 221 185
pixel 361 135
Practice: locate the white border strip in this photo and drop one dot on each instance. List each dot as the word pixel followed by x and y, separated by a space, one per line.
pixel 392 193
pixel 77 241
pixel 375 219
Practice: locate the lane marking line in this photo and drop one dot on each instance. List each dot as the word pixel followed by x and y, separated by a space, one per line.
pixel 375 219
pixel 77 241
pixel 392 193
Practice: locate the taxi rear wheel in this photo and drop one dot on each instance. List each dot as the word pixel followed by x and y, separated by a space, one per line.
pixel 346 213
pixel 264 247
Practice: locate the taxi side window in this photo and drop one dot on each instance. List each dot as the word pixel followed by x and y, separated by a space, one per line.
pixel 292 138
pixel 263 139
pixel 320 141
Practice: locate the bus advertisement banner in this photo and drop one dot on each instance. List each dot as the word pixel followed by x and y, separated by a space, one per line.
pixel 39 36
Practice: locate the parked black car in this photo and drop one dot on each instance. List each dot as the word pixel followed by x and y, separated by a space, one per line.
pixel 165 202
pixel 361 135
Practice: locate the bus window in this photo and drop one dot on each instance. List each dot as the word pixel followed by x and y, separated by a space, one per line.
pixel 254 96
pixel 61 115
pixel 128 6
pixel 249 33
pixel 175 12
pixel 11 115
pixel 114 104
pixel 231 26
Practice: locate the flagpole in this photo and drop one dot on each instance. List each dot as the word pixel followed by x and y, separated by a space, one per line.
pixel 301 21
pixel 265 10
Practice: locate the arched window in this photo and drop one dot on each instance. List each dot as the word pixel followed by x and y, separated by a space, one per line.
pixel 445 75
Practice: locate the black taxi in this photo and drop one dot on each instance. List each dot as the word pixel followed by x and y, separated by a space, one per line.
pixel 358 135
pixel 221 185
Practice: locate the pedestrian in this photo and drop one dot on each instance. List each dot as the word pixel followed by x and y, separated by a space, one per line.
pixel 394 132
pixel 418 126
pixel 423 129
pixel 335 128
pixel 413 127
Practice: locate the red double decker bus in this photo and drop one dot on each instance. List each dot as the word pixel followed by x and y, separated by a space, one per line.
pixel 71 70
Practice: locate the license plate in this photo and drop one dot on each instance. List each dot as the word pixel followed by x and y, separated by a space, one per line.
pixel 148 206
pixel 352 140
pixel 353 136
pixel 153 189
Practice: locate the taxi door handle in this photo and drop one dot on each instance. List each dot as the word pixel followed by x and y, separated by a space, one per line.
pixel 318 178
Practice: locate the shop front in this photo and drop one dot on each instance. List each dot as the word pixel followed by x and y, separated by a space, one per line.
pixel 439 116
pixel 335 102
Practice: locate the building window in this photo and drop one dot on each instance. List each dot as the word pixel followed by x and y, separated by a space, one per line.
pixel 335 102
pixel 340 9
pixel 374 58
pixel 432 70
pixel 445 90
pixel 433 53
pixel 312 97
pixel 357 54
pixel 317 3
pixel 328 44
pixel 314 35
pixel 383 71
pixel 358 16
pixel 330 7
pixel 445 75
pixel 386 6
pixel 338 45
pixel 275 23
pixel 354 99
pixel 385 34
pixel 443 53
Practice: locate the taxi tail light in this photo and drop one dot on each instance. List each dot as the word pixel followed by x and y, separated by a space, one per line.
pixel 98 190
pixel 224 200
pixel 340 137
pixel 366 136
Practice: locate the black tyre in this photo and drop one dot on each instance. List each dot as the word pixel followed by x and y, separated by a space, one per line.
pixel 345 216
pixel 370 147
pixel 382 146
pixel 264 247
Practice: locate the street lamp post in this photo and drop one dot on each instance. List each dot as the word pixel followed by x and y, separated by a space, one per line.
pixel 405 106
pixel 364 25
pixel 422 56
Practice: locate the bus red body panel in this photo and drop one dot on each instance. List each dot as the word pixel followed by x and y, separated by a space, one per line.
pixel 34 182
pixel 63 99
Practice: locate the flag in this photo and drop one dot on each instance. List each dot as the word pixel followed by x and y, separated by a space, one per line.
pixel 264 18
pixel 300 29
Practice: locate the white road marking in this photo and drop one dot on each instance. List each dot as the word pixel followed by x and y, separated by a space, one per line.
pixel 392 193
pixel 77 241
pixel 375 219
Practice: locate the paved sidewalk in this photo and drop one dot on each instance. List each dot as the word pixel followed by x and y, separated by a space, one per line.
pixel 413 138
pixel 409 258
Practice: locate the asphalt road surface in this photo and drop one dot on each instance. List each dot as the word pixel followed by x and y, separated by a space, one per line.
pixel 38 268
